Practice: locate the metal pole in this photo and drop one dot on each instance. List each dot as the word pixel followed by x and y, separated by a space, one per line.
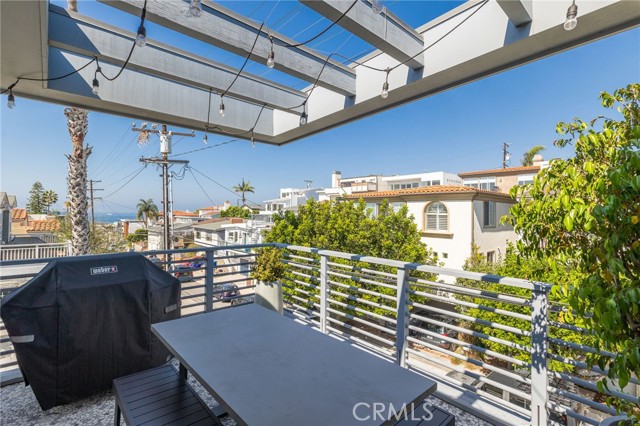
pixel 539 347
pixel 402 322
pixel 208 281
pixel 324 293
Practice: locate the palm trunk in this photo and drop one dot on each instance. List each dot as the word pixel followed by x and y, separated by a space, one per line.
pixel 77 181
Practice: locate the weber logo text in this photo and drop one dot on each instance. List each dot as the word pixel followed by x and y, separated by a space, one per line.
pixel 104 270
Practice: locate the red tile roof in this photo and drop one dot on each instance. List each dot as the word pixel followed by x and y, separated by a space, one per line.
pixel 427 190
pixel 180 213
pixel 43 226
pixel 18 214
pixel 214 220
pixel 505 171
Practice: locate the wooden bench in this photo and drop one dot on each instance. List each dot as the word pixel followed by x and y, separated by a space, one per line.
pixel 160 396
pixel 433 417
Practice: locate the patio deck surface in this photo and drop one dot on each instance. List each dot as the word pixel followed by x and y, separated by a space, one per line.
pixel 18 407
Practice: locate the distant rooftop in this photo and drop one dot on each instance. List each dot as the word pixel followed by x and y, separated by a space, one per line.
pixel 501 171
pixel 428 190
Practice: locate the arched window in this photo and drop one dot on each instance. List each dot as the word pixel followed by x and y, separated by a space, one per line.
pixel 436 217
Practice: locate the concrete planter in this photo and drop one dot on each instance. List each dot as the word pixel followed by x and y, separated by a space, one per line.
pixel 269 295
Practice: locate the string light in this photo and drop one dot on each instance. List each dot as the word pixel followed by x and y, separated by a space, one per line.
pixel 271 58
pixel 96 83
pixel 572 17
pixel 377 6
pixel 253 141
pixel 141 38
pixel 385 86
pixel 221 107
pixel 195 8
pixel 11 100
pixel 303 116
pixel 205 138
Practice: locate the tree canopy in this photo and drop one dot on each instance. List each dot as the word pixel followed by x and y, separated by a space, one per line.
pixel 36 203
pixel 236 211
pixel 582 215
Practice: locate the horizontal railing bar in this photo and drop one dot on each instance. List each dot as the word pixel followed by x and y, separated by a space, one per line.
pixel 579 347
pixel 571 413
pixel 365 270
pixel 9 364
pixel 497 400
pixel 193 305
pixel 360 331
pixel 299 265
pixel 570 327
pixel 191 296
pixel 365 291
pixel 192 287
pixel 593 404
pixel 584 366
pixel 302 283
pixel 470 360
pixel 361 321
pixel 302 308
pixel 378 349
pixel 298 290
pixel 362 280
pixel 475 306
pixel 475 320
pixel 471 346
pixel 237 280
pixel 592 386
pixel 362 311
pixel 306 259
pixel 489 295
pixel 7 352
pixel 363 301
pixel 307 276
pixel 473 333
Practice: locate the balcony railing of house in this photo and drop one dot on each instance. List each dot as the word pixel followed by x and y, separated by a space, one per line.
pixel 498 347
pixel 34 251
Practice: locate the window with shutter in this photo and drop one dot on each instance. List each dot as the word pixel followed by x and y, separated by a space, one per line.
pixel 437 217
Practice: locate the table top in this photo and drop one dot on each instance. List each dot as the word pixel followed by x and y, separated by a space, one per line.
pixel 265 369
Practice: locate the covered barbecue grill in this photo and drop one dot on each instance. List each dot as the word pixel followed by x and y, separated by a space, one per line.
pixel 83 321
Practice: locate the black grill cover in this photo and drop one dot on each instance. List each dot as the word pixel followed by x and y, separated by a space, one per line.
pixel 84 321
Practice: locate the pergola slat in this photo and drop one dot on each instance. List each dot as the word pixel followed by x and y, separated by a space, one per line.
pixel 382 30
pixel 73 32
pixel 220 27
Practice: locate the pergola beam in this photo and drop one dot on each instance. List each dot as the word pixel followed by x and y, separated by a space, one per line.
pixel 75 33
pixel 223 28
pixel 519 11
pixel 384 30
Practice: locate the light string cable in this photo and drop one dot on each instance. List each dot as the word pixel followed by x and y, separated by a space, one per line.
pixel 75 71
pixel 221 185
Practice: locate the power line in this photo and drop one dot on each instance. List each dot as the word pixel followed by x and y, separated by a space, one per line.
pixel 221 185
pixel 127 182
pixel 203 191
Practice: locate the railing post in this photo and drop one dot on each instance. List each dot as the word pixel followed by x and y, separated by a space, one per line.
pixel 324 293
pixel 208 281
pixel 402 321
pixel 37 251
pixel 539 346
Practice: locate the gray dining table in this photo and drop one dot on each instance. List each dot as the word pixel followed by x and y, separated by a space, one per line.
pixel 266 369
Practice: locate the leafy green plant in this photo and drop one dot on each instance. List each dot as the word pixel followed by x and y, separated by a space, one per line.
pixel 581 215
pixel 269 267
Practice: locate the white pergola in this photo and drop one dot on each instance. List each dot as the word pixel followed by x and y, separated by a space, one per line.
pixel 164 84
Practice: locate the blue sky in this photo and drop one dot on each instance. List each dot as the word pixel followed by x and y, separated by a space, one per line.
pixel 459 130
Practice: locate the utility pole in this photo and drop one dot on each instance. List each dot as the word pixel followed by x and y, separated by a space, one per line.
pixel 165 150
pixel 506 155
pixel 91 190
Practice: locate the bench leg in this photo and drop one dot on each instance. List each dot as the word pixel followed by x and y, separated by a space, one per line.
pixel 116 417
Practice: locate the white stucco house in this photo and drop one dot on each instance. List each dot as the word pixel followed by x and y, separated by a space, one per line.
pixel 451 219
pixel 290 199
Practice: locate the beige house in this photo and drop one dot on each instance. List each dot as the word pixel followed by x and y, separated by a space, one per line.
pixel 451 219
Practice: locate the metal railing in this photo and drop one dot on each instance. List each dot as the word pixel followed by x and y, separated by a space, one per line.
pixel 501 339
pixel 34 251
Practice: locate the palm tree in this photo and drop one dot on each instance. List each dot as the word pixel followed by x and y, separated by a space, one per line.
pixel 244 187
pixel 49 198
pixel 147 209
pixel 78 126
pixel 527 158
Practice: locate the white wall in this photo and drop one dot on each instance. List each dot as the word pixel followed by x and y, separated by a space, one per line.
pixel 456 243
pixel 492 239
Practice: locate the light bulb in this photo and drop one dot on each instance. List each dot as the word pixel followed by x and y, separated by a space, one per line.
pixel 303 118
pixel 572 17
pixel 385 90
pixel 195 8
pixel 253 141
pixel 377 6
pixel 270 59
pixel 141 38
pixel 205 139
pixel 221 109
pixel 96 86
pixel 11 101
